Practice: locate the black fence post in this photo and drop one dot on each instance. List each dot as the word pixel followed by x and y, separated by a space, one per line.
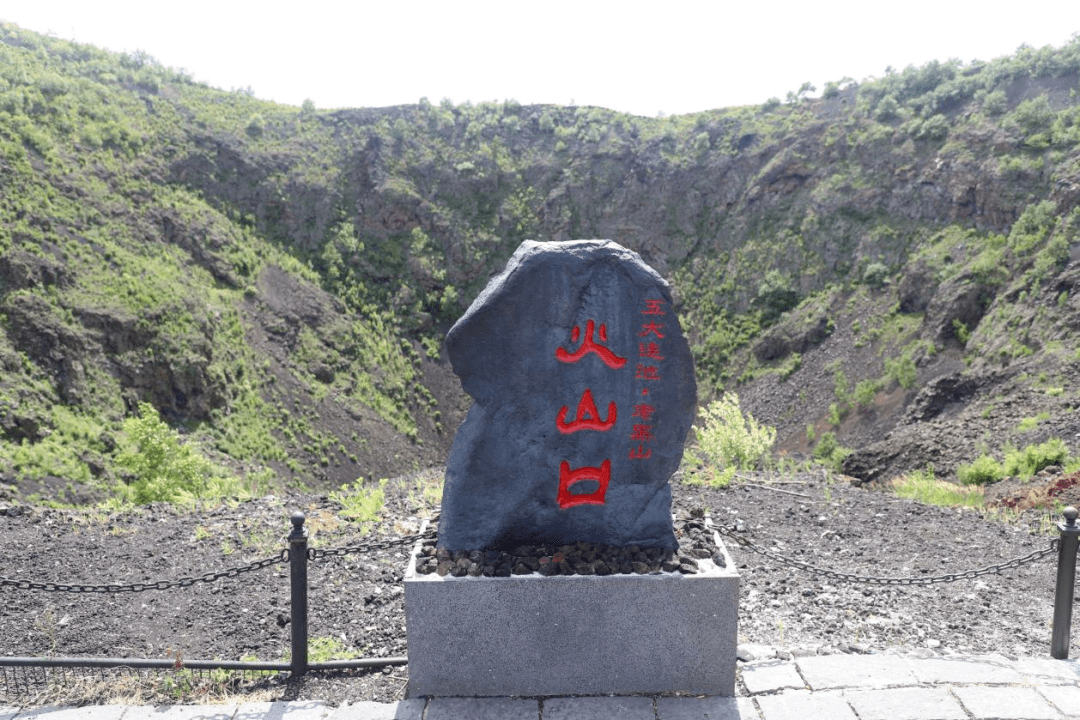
pixel 298 551
pixel 1066 579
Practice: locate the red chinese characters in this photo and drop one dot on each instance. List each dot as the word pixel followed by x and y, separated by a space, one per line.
pixel 586 417
pixel 647 373
pixel 568 476
pixel 588 345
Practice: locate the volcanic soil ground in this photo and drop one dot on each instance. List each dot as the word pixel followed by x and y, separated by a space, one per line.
pixel 357 600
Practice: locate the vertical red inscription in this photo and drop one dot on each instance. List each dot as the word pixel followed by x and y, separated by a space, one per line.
pixel 568 477
pixel 648 371
pixel 587 417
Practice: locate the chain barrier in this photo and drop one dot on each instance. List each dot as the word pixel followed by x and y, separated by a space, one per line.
pixel 319 553
pixel 183 582
pixel 871 580
pixel 282 558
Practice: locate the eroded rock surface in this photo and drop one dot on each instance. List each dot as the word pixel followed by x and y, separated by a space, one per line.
pixel 584 391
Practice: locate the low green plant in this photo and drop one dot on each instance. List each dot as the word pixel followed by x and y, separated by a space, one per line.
pixel 922 486
pixel 323 649
pixel 829 452
pixel 902 369
pixel 1032 458
pixel 730 440
pixel 1030 423
pixel 985 469
pixel 359 503
pixel 865 392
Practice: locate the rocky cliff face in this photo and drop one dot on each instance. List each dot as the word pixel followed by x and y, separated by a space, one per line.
pixel 893 264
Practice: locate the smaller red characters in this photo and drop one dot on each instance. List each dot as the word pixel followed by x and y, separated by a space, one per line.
pixel 652 307
pixel 651 327
pixel 647 372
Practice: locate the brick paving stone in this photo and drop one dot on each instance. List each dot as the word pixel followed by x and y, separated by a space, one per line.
pixel 981 670
pixel 308 710
pixel 1047 671
pixel 495 708
pixel 412 709
pixel 768 676
pixel 804 705
pixel 1005 703
pixel 828 672
pixel 707 708
pixel 1066 698
pixel 597 708
pixel 914 703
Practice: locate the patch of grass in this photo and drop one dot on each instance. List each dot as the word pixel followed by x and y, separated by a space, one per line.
pixel 324 649
pixel 1030 423
pixel 922 486
pixel 361 504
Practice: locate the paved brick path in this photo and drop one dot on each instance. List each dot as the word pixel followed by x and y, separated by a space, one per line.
pixel 827 687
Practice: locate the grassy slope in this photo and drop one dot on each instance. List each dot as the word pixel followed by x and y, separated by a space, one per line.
pixel 276 280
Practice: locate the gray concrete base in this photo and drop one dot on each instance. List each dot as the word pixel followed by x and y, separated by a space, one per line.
pixel 537 636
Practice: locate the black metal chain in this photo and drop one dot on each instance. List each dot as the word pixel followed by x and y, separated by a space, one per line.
pixel 318 553
pixel 183 582
pixel 871 580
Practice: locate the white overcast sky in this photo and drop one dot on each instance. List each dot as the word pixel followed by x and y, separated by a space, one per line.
pixel 672 56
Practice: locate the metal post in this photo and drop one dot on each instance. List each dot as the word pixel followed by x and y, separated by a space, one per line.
pixel 1066 579
pixel 298 597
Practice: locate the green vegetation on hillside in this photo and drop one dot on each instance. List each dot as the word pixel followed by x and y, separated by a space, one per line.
pixel 265 276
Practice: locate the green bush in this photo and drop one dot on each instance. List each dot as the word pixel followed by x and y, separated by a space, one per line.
pixel 984 470
pixel 830 452
pixel 731 440
pixel 902 369
pixel 165 469
pixel 1033 458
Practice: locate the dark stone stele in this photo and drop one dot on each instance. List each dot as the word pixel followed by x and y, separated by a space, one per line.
pixel 564 318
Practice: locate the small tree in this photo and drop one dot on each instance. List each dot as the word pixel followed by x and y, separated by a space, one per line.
pixel 256 125
pixel 166 469
pixel 731 440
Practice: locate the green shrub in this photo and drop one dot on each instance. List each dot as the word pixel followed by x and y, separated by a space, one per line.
pixel 1028 424
pixel 984 470
pixel 830 452
pixel 865 392
pixel 902 369
pixel 730 440
pixel 165 469
pixel 255 126
pixel 875 274
pixel 1033 458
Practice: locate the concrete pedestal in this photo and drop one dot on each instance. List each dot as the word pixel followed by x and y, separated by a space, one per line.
pixel 530 635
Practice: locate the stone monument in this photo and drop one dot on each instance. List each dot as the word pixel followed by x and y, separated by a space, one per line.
pixel 584 392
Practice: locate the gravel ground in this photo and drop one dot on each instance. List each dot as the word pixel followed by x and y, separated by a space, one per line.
pixel 357 605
